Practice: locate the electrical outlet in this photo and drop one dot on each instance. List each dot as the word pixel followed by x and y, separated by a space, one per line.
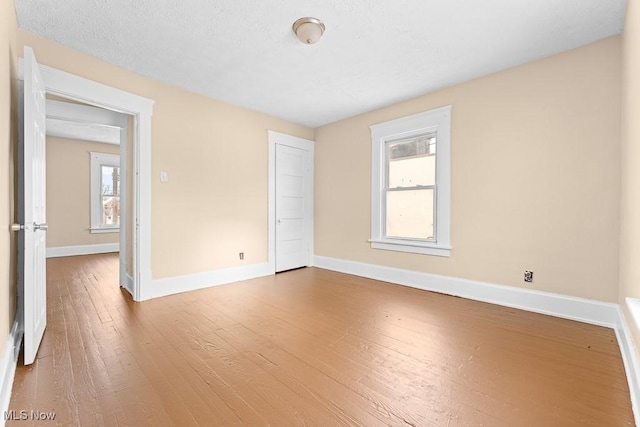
pixel 528 276
pixel 241 255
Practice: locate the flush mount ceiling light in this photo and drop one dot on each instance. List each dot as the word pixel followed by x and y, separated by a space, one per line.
pixel 308 30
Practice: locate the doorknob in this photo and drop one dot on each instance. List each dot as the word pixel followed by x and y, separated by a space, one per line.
pixel 43 226
pixel 16 227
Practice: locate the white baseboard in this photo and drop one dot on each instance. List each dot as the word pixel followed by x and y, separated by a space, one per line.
pixel 630 359
pixel 8 365
pixel 574 308
pixel 61 251
pixel 174 285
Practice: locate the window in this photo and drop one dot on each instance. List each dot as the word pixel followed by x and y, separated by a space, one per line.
pixel 105 193
pixel 410 194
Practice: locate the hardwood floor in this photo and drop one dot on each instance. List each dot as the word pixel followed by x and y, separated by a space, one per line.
pixel 310 347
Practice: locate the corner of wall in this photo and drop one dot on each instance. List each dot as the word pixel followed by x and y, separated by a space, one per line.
pixel 8 160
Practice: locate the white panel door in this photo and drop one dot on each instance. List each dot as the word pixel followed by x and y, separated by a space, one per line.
pixel 33 205
pixel 292 213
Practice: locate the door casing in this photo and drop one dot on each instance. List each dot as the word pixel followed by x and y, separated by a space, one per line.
pixel 77 88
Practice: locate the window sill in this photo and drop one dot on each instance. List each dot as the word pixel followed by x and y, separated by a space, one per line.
pixel 411 247
pixel 103 230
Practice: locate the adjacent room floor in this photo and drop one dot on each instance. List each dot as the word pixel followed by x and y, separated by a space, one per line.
pixel 311 347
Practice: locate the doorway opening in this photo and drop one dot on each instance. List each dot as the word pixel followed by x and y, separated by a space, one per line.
pixel 89 182
pixel 78 89
pixel 38 82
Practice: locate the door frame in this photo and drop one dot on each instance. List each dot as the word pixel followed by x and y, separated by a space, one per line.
pixel 77 88
pixel 302 144
pixel 71 113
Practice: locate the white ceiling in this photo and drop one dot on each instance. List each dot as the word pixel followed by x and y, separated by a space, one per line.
pixel 373 53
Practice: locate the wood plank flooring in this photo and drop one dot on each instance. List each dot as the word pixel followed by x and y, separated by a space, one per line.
pixel 310 347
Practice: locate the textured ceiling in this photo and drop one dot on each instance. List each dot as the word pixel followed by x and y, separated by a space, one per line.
pixel 373 53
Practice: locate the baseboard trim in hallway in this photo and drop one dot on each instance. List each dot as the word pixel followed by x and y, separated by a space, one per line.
pixel 61 251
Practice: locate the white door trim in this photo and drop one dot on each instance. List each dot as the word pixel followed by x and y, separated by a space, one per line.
pixel 123 236
pixel 79 121
pixel 81 113
pixel 77 88
pixel 295 142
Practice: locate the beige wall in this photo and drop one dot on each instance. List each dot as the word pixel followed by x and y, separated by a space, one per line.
pixel 630 200
pixel 69 192
pixel 8 144
pixel 535 177
pixel 215 203
pixel 535 181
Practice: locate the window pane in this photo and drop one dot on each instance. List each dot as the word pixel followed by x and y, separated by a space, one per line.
pixel 412 171
pixel 412 162
pixel 110 210
pixel 410 214
pixel 110 177
pixel 411 147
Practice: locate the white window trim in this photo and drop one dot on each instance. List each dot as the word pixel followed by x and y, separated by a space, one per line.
pixel 97 160
pixel 438 120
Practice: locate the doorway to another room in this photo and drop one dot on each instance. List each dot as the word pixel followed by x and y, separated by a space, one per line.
pixel 89 182
pixel 110 201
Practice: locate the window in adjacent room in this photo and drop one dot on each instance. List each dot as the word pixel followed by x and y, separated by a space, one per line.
pixel 411 183
pixel 105 193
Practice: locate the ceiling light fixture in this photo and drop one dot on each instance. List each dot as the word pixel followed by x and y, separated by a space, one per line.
pixel 308 30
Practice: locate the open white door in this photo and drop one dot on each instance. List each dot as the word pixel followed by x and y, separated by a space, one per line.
pixel 293 207
pixel 32 213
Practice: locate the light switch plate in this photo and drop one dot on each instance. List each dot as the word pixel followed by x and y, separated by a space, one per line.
pixel 164 176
